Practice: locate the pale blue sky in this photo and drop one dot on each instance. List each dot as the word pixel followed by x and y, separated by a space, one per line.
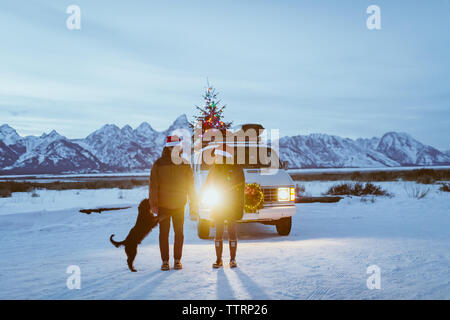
pixel 300 66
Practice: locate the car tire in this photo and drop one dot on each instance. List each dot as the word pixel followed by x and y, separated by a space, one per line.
pixel 203 229
pixel 284 226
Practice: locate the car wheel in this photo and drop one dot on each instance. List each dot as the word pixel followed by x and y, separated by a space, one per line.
pixel 203 229
pixel 284 226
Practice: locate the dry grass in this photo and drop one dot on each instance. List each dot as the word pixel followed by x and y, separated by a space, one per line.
pixel 5 193
pixel 416 191
pixel 424 176
pixel 356 189
pixel 445 187
pixel 9 187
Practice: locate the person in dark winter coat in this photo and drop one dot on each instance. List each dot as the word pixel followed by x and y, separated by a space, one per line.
pixel 170 186
pixel 229 180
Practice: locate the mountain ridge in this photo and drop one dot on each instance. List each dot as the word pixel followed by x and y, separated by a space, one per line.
pixel 114 149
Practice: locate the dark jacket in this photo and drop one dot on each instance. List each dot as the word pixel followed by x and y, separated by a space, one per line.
pixel 230 181
pixel 171 184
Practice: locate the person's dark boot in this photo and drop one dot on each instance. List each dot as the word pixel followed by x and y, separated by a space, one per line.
pixel 218 244
pixel 165 266
pixel 233 249
pixel 177 265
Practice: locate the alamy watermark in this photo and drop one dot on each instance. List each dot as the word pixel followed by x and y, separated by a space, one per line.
pixel 374 280
pixel 73 22
pixel 258 148
pixel 373 22
pixel 74 279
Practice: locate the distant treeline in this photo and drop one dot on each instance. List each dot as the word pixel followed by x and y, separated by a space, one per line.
pixel 8 187
pixel 426 176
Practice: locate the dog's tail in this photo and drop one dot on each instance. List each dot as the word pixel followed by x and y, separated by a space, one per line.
pixel 115 243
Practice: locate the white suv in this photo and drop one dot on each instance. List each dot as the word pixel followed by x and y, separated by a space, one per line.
pixel 277 186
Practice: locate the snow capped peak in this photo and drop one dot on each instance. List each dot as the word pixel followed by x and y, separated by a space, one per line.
pixel 8 135
pixel 401 147
pixel 406 150
pixel 181 119
pixel 180 123
pixel 401 137
pixel 146 134
pixel 108 128
pixel 53 135
pixel 5 127
pixel 144 127
pixel 368 143
pixel 126 129
pixel 127 132
pixel 41 143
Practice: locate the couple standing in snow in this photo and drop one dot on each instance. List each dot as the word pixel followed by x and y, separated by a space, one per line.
pixel 171 184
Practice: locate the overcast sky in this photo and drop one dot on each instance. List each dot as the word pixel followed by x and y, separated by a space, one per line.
pixel 300 66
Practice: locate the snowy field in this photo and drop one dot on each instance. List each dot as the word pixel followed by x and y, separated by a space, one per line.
pixel 325 257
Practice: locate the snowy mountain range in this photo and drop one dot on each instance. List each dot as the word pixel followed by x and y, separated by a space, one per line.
pixel 393 149
pixel 108 149
pixel 114 149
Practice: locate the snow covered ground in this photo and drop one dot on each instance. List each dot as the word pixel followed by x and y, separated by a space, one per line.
pixel 325 257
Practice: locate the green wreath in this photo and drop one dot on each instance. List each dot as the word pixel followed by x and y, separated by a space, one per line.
pixel 254 198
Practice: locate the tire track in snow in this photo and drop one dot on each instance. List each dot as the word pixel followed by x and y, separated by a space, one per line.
pixel 318 293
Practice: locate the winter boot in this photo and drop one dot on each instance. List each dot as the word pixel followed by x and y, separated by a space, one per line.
pixel 233 248
pixel 177 265
pixel 165 266
pixel 219 248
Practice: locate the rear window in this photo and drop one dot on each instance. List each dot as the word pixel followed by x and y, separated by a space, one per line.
pixel 249 157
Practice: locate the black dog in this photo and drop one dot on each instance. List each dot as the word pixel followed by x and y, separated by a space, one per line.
pixel 145 222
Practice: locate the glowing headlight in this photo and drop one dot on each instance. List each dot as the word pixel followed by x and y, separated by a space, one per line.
pixel 286 194
pixel 211 197
pixel 283 194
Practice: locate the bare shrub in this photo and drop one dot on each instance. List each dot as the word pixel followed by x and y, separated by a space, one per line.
pixel 445 187
pixel 426 179
pixel 416 191
pixel 356 189
pixel 368 199
pixel 300 189
pixel 5 193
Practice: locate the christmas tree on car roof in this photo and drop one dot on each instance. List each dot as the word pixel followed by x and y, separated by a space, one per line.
pixel 211 114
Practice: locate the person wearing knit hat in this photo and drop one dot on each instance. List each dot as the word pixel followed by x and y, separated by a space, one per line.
pixel 170 186
pixel 228 178
pixel 173 141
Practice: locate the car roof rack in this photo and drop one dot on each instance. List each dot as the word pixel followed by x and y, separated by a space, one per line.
pixel 246 126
